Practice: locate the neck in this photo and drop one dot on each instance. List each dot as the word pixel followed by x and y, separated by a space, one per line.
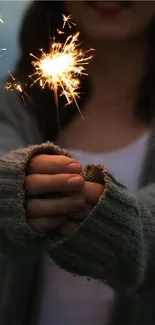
pixel 116 73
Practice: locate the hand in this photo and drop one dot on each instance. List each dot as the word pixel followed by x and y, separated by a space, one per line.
pixel 92 193
pixel 53 188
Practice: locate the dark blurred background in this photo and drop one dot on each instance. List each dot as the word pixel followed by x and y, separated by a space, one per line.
pixel 11 13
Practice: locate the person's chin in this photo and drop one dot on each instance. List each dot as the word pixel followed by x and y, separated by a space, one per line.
pixel 112 33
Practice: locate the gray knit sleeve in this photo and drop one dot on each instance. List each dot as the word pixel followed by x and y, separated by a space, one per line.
pixel 18 125
pixel 21 247
pixel 12 195
pixel 114 242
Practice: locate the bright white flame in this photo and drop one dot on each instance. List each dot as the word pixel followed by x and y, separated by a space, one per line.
pixel 56 65
pixel 61 68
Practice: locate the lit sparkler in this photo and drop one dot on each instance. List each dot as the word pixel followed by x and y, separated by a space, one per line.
pixel 16 86
pixel 61 68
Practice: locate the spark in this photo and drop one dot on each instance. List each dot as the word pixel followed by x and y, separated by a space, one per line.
pixel 60 32
pixel 61 68
pixel 67 20
pixel 11 86
pixel 16 86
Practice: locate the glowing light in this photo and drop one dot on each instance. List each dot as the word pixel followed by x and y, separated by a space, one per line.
pixel 61 68
pixel 67 20
pixel 16 86
pixel 60 32
pixel 3 49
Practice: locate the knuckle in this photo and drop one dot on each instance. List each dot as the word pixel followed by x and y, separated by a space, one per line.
pixel 32 165
pixel 30 183
pixel 36 163
pixel 30 207
pixel 64 161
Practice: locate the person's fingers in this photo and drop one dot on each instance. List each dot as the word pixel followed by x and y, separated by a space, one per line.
pixel 92 192
pixel 81 215
pixel 53 164
pixel 37 184
pixel 39 208
pixel 68 228
pixel 48 223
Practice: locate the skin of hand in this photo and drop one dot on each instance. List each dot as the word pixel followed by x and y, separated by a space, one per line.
pixel 57 197
pixel 92 193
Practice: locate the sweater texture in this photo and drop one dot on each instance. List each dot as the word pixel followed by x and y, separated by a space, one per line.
pixel 114 244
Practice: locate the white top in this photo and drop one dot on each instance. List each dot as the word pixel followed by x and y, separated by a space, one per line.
pixel 69 300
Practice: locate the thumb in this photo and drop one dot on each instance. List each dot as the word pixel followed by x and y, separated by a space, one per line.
pixel 92 192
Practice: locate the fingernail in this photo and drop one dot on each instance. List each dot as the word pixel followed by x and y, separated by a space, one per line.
pixel 74 168
pixel 75 181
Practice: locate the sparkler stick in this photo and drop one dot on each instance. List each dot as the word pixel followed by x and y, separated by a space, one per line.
pixel 55 93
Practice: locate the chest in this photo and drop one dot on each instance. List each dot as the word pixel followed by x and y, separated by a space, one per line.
pixel 96 134
pixel 127 306
pixel 77 300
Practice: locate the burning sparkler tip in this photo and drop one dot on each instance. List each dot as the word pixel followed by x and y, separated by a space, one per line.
pixel 61 68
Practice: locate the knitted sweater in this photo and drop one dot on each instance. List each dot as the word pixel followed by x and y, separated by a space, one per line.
pixel 114 244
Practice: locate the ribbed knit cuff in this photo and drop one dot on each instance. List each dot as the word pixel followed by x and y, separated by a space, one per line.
pixel 12 195
pixel 108 244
